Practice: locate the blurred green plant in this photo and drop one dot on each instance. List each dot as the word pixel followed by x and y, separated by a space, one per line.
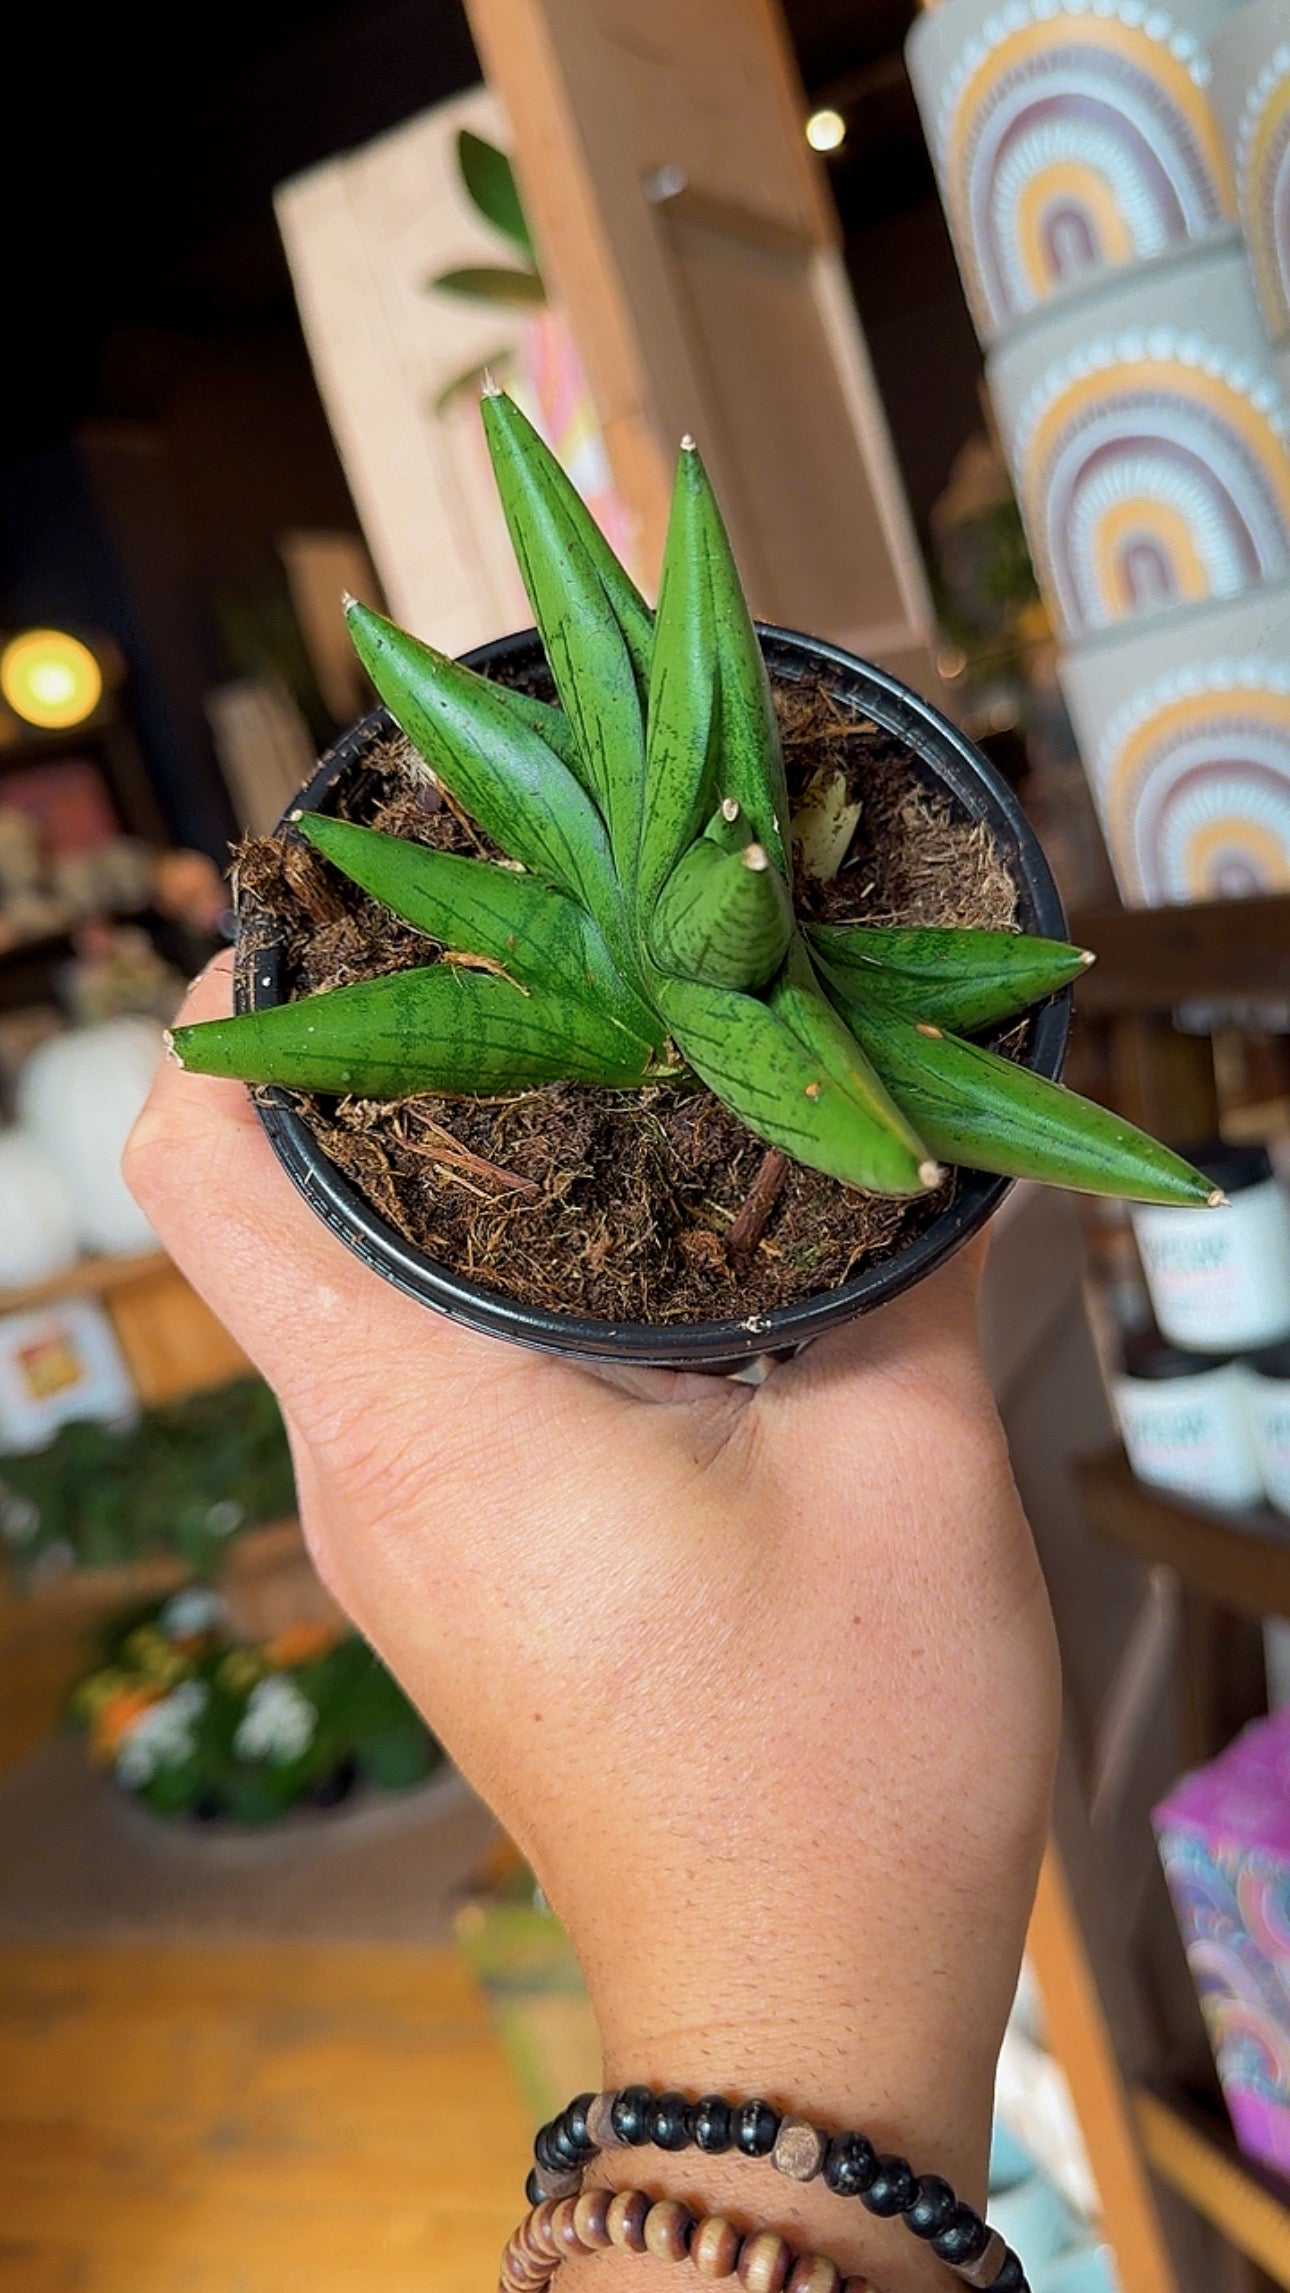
pixel 488 180
pixel 183 1480
pixel 195 1723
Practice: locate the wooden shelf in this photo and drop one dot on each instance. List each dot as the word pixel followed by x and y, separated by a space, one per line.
pixel 1197 2155
pixel 1240 1561
pixel 1212 952
pixel 89 1277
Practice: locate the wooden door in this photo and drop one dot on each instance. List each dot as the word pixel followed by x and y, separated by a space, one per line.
pixel 685 223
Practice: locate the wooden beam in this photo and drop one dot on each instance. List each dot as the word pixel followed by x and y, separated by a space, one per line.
pixel 1240 1561
pixel 692 244
pixel 1078 2036
pixel 88 1278
pixel 1213 2178
pixel 1213 952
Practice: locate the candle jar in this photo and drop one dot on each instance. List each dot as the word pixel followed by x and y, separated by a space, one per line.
pixel 1268 1375
pixel 1220 1279
pixel 1185 1423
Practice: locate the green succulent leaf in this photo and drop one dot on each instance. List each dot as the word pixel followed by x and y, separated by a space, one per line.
pixel 785 1092
pixel 799 1002
pixel 472 378
pixel 723 916
pixel 683 718
pixel 728 827
pixel 434 1029
pixel 959 979
pixel 649 816
pixel 990 1113
pixel 751 759
pixel 490 183
pixel 540 937
pixel 501 770
pixel 495 284
pixel 550 724
pixel 595 625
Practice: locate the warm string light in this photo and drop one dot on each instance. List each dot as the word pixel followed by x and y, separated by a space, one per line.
pixel 826 130
pixel 50 679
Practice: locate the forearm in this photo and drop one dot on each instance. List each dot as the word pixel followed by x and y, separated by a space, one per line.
pixel 763 1685
pixel 823 1988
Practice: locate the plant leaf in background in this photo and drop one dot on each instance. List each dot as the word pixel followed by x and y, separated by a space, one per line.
pixel 490 283
pixel 489 179
pixel 198 1723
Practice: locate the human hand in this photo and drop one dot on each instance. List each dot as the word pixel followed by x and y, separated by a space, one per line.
pixel 762 1682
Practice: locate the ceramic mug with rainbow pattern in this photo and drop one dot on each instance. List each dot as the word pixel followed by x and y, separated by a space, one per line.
pixel 1251 91
pixel 1149 443
pixel 1070 137
pixel 1184 729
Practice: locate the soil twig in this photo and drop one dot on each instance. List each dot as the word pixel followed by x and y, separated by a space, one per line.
pixel 760 1200
pixel 448 1150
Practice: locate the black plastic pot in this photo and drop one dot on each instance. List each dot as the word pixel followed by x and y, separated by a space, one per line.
pixel 944 759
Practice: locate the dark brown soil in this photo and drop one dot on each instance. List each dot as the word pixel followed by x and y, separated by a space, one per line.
pixel 615 1204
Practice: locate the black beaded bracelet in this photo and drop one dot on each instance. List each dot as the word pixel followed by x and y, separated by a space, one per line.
pixel 636 2117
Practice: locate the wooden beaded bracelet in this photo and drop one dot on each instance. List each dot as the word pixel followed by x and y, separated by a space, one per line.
pixel 634 2222
pixel 635 2116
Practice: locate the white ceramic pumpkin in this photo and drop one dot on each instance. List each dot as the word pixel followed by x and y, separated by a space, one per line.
pixel 78 1096
pixel 37 1230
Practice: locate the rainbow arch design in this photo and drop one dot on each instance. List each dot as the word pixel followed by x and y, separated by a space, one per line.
pixel 1263 187
pixel 1153 471
pixel 1193 781
pixel 1075 137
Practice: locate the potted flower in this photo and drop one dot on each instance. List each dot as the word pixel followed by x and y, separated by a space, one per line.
pixel 195 1722
pixel 622 989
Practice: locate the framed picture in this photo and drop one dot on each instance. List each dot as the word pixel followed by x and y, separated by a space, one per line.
pixel 58 1362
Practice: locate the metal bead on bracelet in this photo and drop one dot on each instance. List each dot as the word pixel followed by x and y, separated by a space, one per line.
pixel 557 2229
pixel 636 2118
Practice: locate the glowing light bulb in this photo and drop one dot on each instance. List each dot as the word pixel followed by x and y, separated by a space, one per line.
pixel 50 679
pixel 826 130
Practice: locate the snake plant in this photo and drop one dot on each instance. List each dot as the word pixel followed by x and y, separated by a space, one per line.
pixel 643 923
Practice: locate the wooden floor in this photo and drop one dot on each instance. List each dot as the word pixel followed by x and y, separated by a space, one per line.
pixel 279 2120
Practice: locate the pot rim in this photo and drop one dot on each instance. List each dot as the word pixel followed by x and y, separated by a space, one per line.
pixel 949 759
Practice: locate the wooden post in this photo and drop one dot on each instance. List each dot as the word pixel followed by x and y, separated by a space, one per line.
pixel 1078 2037
pixel 690 237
